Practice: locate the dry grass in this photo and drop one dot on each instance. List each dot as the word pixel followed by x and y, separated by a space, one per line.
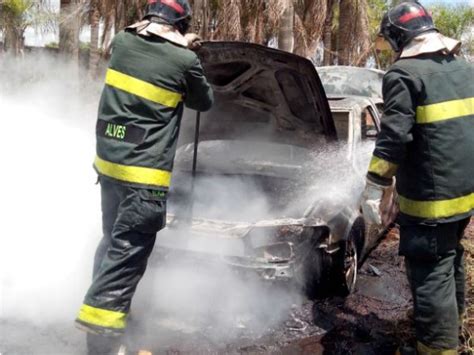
pixel 468 322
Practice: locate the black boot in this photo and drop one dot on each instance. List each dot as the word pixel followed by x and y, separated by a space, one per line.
pixel 104 345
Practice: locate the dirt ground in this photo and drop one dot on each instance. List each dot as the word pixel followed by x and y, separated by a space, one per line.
pixel 373 320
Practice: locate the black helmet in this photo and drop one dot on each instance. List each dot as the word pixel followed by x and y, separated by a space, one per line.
pixel 404 22
pixel 173 12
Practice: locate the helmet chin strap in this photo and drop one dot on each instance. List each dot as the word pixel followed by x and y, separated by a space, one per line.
pixel 183 26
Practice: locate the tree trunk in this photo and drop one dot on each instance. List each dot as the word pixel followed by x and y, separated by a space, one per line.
pixel 286 40
pixel 201 18
pixel 94 57
pixel 327 33
pixel 205 20
pixel 120 15
pixel 205 17
pixel 354 36
pixel 69 26
pixel 363 34
pixel 14 42
pixel 252 25
pixel 346 19
pixel 309 23
pixel 106 42
pixel 229 27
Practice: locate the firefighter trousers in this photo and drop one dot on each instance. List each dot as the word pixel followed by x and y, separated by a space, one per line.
pixel 131 217
pixel 434 258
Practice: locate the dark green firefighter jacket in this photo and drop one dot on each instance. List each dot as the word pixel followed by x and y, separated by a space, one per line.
pixel 147 83
pixel 427 138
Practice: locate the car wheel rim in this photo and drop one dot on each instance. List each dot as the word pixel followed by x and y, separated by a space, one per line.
pixel 350 265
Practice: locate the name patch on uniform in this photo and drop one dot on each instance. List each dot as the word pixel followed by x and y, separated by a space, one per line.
pixel 126 133
pixel 113 130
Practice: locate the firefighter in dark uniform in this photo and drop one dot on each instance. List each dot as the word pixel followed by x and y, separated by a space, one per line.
pixel 152 74
pixel 427 143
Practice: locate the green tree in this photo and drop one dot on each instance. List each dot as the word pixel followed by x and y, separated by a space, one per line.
pixel 16 16
pixel 69 28
pixel 13 23
pixel 456 21
pixel 354 45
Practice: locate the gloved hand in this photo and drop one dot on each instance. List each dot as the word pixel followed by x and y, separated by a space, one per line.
pixel 194 41
pixel 371 200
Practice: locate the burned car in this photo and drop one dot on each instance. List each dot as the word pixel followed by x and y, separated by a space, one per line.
pixel 356 92
pixel 261 182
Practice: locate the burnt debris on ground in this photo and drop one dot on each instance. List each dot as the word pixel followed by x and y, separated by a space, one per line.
pixel 372 320
pixel 375 319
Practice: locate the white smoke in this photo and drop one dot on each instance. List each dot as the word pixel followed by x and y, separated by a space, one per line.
pixel 50 208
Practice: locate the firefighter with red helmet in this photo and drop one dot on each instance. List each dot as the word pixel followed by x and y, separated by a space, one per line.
pixel 151 76
pixel 427 143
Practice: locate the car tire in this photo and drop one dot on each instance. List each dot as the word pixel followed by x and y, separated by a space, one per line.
pixel 347 259
pixel 327 276
pixel 324 275
pixel 314 274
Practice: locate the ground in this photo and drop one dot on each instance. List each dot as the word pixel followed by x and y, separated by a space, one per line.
pixel 373 320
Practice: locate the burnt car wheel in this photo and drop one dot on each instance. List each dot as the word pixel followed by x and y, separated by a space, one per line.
pixel 349 268
pixel 347 261
pixel 324 275
pixel 315 274
pixel 327 275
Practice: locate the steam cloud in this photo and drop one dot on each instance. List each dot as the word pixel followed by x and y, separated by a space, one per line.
pixel 50 206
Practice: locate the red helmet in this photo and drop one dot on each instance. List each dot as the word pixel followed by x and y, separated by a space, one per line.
pixel 173 12
pixel 404 22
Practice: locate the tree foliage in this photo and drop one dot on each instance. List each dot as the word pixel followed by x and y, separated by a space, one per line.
pixel 344 29
pixel 456 21
pixel 16 16
pixel 453 21
pixel 353 31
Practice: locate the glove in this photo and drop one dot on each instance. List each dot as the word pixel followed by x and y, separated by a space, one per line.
pixel 194 41
pixel 371 200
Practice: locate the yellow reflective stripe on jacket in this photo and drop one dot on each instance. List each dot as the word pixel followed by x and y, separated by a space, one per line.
pixel 142 88
pixel 102 317
pixel 133 174
pixel 437 209
pixel 382 167
pixel 445 111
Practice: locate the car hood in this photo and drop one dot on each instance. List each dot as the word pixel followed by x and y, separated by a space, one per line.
pixel 259 84
pixel 238 157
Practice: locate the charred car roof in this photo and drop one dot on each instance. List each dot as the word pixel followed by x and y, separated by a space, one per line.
pixel 352 81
